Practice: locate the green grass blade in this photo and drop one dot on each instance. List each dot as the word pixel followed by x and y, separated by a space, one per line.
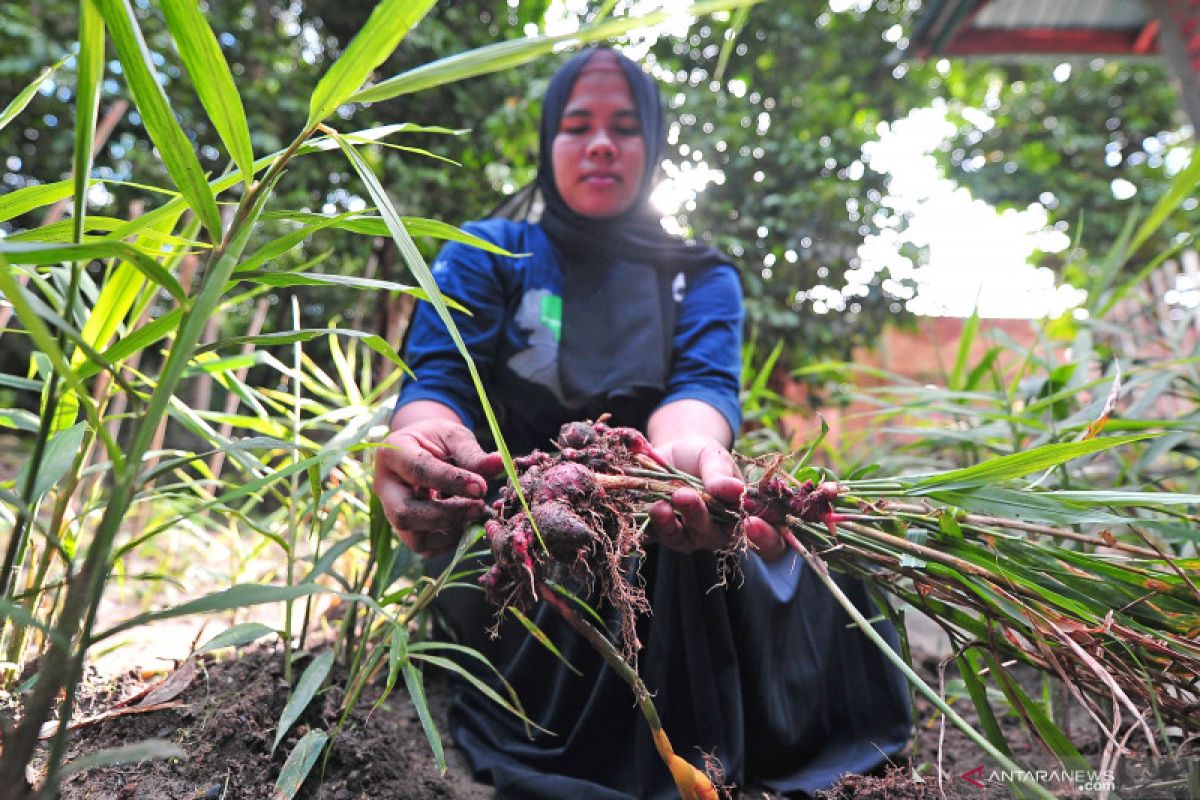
pixel 1111 497
pixel 42 253
pixel 299 763
pixel 957 379
pixel 61 231
pixel 117 296
pixel 416 692
pixel 278 247
pixel 331 555
pixel 374 341
pixel 507 55
pixel 124 754
pixel 60 453
pixel 1182 187
pixel 389 22
pixel 306 688
pixel 1019 464
pixel 89 74
pixel 969 668
pixel 287 279
pixel 37 330
pixel 420 270
pixel 211 77
pixel 731 33
pixel 375 226
pixel 23 97
pixel 1046 730
pixel 540 635
pixel 1046 507
pixel 137 340
pixel 23 200
pixel 157 116
pixel 235 597
pixel 237 636
pixel 489 692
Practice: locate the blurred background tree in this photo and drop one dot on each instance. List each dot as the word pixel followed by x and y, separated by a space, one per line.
pixel 779 135
pixel 1090 139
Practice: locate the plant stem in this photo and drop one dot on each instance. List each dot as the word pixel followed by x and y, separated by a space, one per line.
pixel 822 572
pixel 628 674
pixel 63 665
pixel 293 523
pixel 1018 525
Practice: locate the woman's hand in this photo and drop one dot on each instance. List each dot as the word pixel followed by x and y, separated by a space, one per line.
pixel 431 477
pixel 684 524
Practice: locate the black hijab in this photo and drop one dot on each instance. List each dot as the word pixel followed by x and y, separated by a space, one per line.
pixel 620 274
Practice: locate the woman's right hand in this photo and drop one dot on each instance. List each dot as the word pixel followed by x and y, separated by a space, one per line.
pixel 431 477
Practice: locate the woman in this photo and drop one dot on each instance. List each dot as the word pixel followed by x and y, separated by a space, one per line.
pixel 611 314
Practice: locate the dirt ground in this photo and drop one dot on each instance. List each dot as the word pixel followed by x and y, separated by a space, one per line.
pixel 223 713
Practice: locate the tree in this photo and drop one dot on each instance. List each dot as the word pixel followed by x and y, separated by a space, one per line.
pixel 808 83
pixel 1092 140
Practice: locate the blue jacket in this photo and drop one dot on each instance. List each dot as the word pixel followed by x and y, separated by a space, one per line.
pixel 515 326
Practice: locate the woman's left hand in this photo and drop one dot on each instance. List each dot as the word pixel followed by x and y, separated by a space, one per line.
pixel 685 524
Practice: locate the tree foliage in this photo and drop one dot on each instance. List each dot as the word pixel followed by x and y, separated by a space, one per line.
pixel 805 87
pixel 1092 140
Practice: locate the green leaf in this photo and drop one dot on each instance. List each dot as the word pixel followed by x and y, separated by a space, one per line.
pixel 124 754
pixel 15 612
pixel 299 763
pixel 284 279
pixel 369 225
pixel 238 635
pixel 389 22
pixel 1018 464
pixel 490 693
pixel 420 270
pixel 278 247
pixel 373 341
pixel 416 691
pixel 90 74
pixel 210 75
pixel 14 204
pixel 948 523
pixel 970 328
pixel 1116 497
pixel 969 668
pixel 731 33
pixel 235 597
pixel 997 501
pixel 331 555
pixel 20 384
pixel 60 454
pixel 306 688
pixel 540 635
pixel 172 143
pixel 119 293
pixel 42 338
pixel 1181 188
pixel 54 253
pixel 507 55
pixel 25 95
pixel 1047 731
pixel 19 419
pixel 154 238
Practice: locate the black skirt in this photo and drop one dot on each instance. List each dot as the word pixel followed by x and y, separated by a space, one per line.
pixel 769 675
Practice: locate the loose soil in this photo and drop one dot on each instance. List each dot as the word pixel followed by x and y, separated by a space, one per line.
pixel 225 721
